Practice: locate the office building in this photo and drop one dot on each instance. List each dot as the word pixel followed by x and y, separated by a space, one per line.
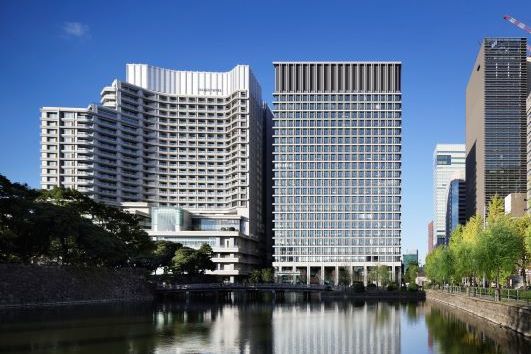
pixel 496 126
pixel 430 236
pixel 528 106
pixel 337 169
pixel 178 139
pixel 455 207
pixel 409 258
pixel 448 164
pixel 516 204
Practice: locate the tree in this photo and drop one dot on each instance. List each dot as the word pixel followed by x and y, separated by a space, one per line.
pixel 267 275
pixel 499 250
pixel 344 277
pixel 190 261
pixel 411 273
pixel 495 209
pixel 439 265
pixel 380 275
pixel 255 276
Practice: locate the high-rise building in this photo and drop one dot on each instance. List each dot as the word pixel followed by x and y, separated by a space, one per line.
pixel 337 168
pixel 496 123
pixel 191 141
pixel 448 164
pixel 455 207
pixel 528 106
pixel 430 236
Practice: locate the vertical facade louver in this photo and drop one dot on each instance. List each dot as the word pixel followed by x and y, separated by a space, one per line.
pixel 496 123
pixel 337 169
pixel 170 138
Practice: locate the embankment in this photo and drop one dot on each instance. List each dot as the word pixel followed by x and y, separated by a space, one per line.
pixel 33 285
pixel 515 317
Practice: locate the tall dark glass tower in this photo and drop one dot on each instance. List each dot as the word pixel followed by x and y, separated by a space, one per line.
pixel 496 123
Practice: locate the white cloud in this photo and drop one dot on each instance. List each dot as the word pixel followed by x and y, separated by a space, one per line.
pixel 76 29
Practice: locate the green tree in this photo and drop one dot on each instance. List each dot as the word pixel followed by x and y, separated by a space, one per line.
pixel 499 249
pixel 267 275
pixel 495 209
pixel 380 275
pixel 344 277
pixel 411 273
pixel 190 261
pixel 255 277
pixel 439 265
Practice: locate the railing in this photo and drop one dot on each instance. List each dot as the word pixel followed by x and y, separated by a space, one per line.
pixel 521 296
pixel 239 286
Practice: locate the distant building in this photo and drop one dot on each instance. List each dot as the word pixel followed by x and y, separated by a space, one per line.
pixel 409 258
pixel 516 204
pixel 528 105
pixel 430 236
pixel 455 207
pixel 496 123
pixel 448 164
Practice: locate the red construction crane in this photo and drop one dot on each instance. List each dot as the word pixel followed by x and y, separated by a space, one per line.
pixel 520 25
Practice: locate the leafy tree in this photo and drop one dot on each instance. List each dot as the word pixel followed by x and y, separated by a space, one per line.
pixel 190 261
pixel 380 275
pixel 267 275
pixel 344 277
pixel 499 250
pixel 439 265
pixel 411 273
pixel 255 276
pixel 495 209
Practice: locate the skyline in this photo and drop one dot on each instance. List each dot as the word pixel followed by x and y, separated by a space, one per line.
pixel 59 54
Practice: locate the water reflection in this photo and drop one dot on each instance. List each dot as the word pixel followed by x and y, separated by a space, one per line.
pixel 291 326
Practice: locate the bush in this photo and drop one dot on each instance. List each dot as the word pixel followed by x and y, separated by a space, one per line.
pixel 412 287
pixel 358 287
pixel 392 287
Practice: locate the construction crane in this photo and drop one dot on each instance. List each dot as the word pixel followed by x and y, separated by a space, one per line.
pixel 520 25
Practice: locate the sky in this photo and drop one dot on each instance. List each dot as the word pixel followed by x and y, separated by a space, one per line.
pixel 62 53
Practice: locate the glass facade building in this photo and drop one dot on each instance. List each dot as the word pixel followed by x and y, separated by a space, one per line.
pixel 496 123
pixel 448 164
pixel 455 207
pixel 336 168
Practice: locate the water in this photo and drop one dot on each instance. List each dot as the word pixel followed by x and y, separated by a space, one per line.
pixel 292 326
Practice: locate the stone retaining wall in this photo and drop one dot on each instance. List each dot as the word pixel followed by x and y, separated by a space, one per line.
pixel 515 317
pixel 26 285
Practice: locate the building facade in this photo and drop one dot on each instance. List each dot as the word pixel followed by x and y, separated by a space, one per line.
pixel 455 207
pixel 430 236
pixel 192 140
pixel 336 169
pixel 496 123
pixel 448 164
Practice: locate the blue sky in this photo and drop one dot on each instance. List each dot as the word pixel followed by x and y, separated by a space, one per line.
pixel 62 53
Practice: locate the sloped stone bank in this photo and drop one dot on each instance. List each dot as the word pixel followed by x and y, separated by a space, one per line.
pixel 515 317
pixel 28 285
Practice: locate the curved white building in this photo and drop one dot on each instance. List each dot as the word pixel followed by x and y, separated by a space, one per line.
pixel 185 139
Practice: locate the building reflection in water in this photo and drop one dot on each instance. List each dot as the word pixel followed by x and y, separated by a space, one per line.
pixel 337 328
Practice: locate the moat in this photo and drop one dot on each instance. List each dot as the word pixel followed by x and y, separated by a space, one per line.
pixel 259 326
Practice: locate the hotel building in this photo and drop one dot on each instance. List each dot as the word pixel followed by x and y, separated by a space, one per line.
pixel 184 142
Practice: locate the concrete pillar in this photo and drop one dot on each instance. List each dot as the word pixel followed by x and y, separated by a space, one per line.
pixel 294 269
pixel 365 276
pixel 351 275
pixel 308 275
pixel 322 275
pixel 399 275
pixel 336 280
